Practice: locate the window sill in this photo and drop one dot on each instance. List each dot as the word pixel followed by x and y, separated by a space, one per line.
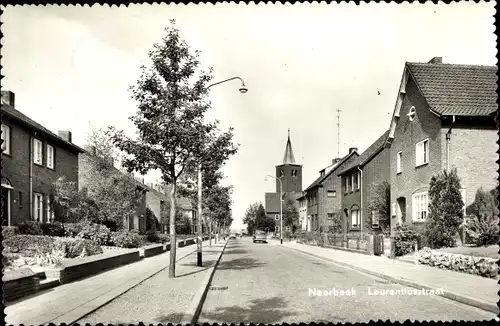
pixel 38 164
pixel 399 173
pixel 7 154
pixel 421 165
pixel 418 221
pixel 51 169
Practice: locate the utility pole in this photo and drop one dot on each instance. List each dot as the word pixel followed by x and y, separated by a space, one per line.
pixel 338 133
pixel 200 235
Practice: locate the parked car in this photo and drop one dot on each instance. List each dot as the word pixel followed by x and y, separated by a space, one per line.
pixel 232 236
pixel 260 236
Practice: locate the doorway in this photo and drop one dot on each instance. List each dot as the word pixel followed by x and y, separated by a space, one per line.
pixel 401 210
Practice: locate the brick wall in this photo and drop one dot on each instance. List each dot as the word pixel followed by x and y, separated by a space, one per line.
pixel 290 183
pixel 18 284
pixel 375 172
pixel 473 152
pixel 407 133
pixel 15 167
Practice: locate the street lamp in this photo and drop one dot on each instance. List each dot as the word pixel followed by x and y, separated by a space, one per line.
pixel 243 89
pixel 281 205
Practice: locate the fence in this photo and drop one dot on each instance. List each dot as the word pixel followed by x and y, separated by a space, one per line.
pixel 367 243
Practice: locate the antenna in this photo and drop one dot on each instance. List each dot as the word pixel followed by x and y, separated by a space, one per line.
pixel 338 132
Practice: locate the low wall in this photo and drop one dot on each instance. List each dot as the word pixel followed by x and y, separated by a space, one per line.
pixel 19 283
pixel 153 250
pixel 79 268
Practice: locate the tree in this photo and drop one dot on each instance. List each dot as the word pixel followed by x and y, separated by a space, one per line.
pixel 172 135
pixel 445 210
pixel 290 214
pixel 380 205
pixel 481 227
pixel 256 219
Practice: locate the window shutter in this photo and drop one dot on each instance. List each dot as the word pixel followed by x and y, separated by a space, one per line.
pixel 418 153
pixel 414 208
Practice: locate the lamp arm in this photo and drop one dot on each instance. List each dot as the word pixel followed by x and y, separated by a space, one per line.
pixel 226 80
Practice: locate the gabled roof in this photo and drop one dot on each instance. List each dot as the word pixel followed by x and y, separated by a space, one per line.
pixel 319 180
pixel 452 89
pixel 367 155
pixel 288 158
pixel 20 117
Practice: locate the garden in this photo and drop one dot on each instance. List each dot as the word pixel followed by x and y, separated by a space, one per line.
pixel 45 245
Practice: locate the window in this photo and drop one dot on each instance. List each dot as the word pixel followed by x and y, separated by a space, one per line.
pixel 346 187
pixel 50 156
pixel 393 209
pixel 331 193
pixel 294 173
pixel 20 199
pixel 399 156
pixel 411 113
pixel 282 173
pixel 37 151
pixel 420 206
pixel 357 180
pixel 422 152
pixel 349 184
pixel 38 206
pixel 355 222
pixel 375 219
pixel 463 193
pixel 5 139
pixel 50 211
pixel 329 216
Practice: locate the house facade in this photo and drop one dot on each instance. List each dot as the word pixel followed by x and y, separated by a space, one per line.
pixel 444 118
pixel 360 180
pixel 323 195
pixel 33 158
pixel 290 175
pixel 305 225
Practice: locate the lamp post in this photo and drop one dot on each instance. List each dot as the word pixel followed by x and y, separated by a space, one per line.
pixel 281 207
pixel 243 89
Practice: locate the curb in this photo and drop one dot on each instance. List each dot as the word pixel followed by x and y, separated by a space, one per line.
pixel 490 307
pixel 193 312
pixel 71 317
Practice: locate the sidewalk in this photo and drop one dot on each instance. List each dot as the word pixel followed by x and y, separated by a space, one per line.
pixel 472 290
pixel 70 302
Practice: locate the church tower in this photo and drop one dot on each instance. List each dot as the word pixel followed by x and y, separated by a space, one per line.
pixel 289 172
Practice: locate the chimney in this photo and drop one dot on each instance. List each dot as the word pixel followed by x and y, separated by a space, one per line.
pixel 352 149
pixel 66 135
pixel 335 160
pixel 9 98
pixel 436 60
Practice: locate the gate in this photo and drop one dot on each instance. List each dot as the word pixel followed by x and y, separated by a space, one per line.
pixel 378 244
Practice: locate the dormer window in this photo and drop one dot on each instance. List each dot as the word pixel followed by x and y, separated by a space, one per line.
pixel 411 113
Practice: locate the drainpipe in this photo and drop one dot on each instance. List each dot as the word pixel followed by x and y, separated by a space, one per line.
pixel 31 174
pixel 361 193
pixel 448 137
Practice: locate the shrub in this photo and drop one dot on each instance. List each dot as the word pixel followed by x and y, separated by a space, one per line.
pixel 482 231
pixel 486 267
pixel 27 244
pixel 95 232
pixel 73 247
pixel 30 227
pixel 72 229
pixel 55 229
pixel 8 231
pixel 125 239
pixel 163 238
pixel 405 238
pixel 445 210
pixel 53 258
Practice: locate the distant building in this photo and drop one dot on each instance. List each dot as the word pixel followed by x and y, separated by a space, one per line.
pixel 444 117
pixel 33 158
pixel 290 175
pixel 323 196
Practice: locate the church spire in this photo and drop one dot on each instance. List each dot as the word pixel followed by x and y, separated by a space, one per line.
pixel 288 158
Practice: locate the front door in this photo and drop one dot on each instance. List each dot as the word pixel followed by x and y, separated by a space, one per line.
pixel 401 210
pixel 6 205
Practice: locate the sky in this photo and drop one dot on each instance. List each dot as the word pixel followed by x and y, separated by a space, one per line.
pixel 71 68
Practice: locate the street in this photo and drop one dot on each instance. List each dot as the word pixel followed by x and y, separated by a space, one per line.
pixel 267 283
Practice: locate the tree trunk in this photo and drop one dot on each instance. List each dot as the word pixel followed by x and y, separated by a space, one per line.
pixel 173 240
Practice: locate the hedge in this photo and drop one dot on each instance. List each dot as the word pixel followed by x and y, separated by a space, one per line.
pixel 31 245
pixel 125 239
pixel 486 267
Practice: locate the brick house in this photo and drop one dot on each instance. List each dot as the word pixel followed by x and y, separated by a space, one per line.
pixel 360 179
pixel 33 158
pixel 290 175
pixel 323 195
pixel 444 117
pixel 87 161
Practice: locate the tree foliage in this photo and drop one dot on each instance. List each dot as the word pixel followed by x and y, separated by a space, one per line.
pixel 445 210
pixel 481 227
pixel 172 136
pixel 381 204
pixel 256 219
pixel 290 215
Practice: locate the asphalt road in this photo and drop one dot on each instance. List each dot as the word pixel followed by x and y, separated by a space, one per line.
pixel 267 284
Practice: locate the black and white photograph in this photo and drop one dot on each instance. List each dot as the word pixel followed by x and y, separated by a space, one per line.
pixel 255 163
